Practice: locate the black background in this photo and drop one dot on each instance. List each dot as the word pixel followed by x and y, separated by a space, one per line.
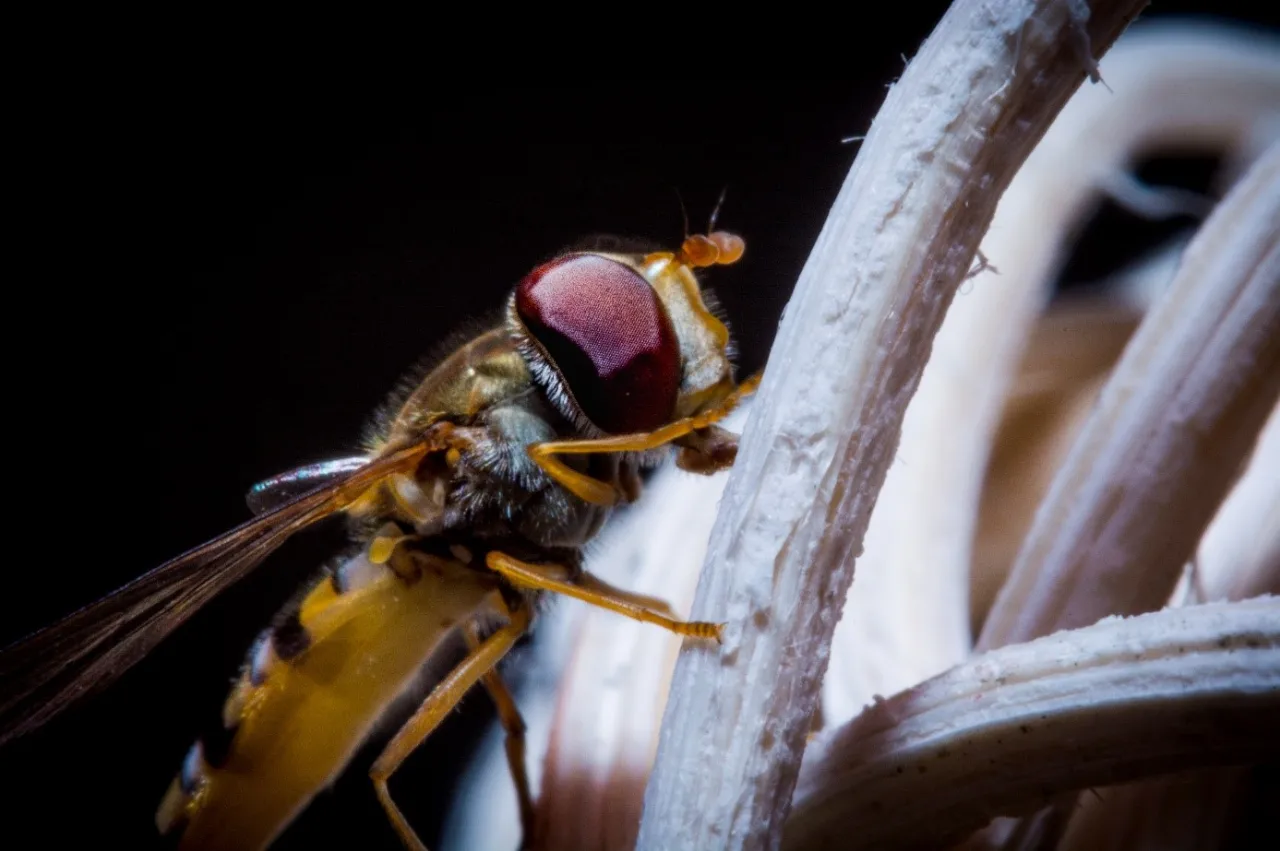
pixel 214 282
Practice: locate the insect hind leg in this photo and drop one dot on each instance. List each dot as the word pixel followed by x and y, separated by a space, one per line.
pixel 438 704
pixel 514 727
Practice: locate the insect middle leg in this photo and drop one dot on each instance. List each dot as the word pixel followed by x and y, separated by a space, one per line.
pixel 589 589
pixel 513 726
pixel 443 698
pixel 602 493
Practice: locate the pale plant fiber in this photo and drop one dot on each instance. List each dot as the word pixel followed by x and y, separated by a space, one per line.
pixel 1008 730
pixel 849 353
pixel 912 595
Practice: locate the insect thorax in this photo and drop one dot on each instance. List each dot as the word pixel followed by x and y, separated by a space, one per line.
pixel 492 488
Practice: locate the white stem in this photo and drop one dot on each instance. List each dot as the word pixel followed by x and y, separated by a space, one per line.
pixel 593 685
pixel 1189 85
pixel 1238 558
pixel 899 241
pixel 1008 731
pixel 1175 422
pixel 1187 811
pixel 1172 84
pixel 605 729
pixel 1069 354
pixel 595 771
pixel 1240 554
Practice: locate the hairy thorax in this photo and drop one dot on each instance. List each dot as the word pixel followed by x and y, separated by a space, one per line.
pixel 491 487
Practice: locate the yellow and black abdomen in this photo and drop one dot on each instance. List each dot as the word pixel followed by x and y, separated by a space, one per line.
pixel 311 691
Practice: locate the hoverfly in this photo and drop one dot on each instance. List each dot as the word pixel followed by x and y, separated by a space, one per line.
pixel 476 498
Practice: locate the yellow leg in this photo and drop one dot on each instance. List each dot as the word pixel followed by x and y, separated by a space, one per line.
pixel 544 577
pixel 513 725
pixel 593 583
pixel 439 703
pixel 602 493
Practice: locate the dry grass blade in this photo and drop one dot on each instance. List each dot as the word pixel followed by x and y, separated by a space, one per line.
pixel 1173 427
pixel 1240 554
pixel 1238 558
pixel 905 617
pixel 598 681
pixel 900 239
pixel 1068 357
pixel 1186 811
pixel 1183 83
pixel 1009 730
pixel 605 727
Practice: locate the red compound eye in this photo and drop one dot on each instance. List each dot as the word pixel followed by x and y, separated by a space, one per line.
pixel 609 337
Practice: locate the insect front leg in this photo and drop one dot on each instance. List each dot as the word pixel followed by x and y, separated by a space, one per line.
pixel 589 589
pixel 443 698
pixel 602 493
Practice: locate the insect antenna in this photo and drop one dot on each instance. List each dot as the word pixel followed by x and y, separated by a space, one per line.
pixel 715 213
pixel 684 215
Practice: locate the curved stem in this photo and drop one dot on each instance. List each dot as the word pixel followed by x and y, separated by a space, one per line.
pixel 1008 731
pixel 899 241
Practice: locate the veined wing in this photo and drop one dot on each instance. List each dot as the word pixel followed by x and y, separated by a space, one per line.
pixel 280 489
pixel 87 650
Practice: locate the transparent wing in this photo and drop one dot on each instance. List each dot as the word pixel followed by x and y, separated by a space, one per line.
pixel 280 489
pixel 48 671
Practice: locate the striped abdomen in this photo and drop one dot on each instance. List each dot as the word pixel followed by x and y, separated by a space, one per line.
pixel 311 691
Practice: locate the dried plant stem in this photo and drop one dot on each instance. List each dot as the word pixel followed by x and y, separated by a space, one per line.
pixel 1239 556
pixel 1177 419
pixel 1183 83
pixel 1173 426
pixel 1213 85
pixel 1068 356
pixel 605 728
pixel 899 241
pixel 1008 731
pixel 1173 83
pixel 1188 811
pixel 593 685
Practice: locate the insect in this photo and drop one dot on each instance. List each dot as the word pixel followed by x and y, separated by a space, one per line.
pixel 485 481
